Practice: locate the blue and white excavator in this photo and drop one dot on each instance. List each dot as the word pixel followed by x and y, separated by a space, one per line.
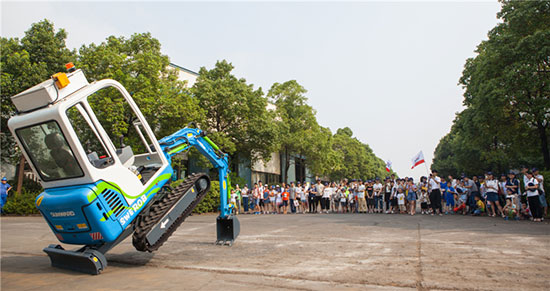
pixel 97 194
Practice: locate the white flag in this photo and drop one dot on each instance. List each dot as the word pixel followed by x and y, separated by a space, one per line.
pixel 418 159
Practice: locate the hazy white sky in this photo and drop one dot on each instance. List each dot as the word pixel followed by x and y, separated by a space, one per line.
pixel 387 70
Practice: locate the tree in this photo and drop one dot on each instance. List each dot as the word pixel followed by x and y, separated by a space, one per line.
pixel 237 117
pixel 507 95
pixel 25 63
pixel 356 159
pixel 299 133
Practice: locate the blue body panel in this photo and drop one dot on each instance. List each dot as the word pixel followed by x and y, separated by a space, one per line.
pixel 95 213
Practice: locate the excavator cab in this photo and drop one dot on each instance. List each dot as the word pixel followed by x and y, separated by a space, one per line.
pixel 103 171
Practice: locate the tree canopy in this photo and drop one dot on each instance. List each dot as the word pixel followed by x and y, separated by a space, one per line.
pixel 244 121
pixel 26 62
pixel 507 97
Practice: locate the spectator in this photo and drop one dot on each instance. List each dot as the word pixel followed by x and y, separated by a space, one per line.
pixel 4 190
pixel 362 201
pixel 401 200
pixel 411 196
pixel 542 193
pixel 325 198
pixel 480 206
pixel 272 200
pixel 450 193
pixel 510 210
pixel 491 186
pixel 312 201
pixel 320 188
pixel 435 192
pixel 292 192
pixel 533 197
pixel 244 194
pixel 370 196
pixel 378 196
pixel 472 191
pixel 239 198
pixel 286 197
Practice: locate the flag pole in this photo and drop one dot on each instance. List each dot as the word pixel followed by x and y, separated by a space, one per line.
pixel 427 171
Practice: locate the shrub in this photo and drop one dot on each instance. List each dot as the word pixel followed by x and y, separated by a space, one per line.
pixel 211 202
pixel 21 204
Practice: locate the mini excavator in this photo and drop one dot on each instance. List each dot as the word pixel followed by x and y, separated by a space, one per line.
pixel 96 193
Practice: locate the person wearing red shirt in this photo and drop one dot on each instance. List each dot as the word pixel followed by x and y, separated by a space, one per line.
pixel 286 197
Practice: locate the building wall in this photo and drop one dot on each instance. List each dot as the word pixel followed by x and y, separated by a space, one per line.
pixel 185 74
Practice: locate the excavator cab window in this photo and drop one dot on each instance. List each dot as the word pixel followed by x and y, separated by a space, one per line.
pixel 51 155
pixel 89 137
pixel 126 132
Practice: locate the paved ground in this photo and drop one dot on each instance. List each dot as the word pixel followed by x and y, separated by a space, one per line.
pixel 307 252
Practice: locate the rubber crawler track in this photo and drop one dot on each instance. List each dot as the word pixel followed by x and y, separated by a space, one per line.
pixel 160 208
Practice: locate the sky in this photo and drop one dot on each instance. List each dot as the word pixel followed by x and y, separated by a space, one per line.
pixel 387 70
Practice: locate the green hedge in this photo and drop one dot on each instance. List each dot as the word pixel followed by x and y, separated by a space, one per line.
pixel 211 201
pixel 21 204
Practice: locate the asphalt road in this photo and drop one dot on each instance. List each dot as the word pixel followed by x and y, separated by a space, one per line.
pixel 305 252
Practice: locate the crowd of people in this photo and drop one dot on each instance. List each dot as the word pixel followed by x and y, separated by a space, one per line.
pixel 489 195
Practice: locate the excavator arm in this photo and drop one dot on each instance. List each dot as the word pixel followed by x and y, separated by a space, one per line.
pixel 227 225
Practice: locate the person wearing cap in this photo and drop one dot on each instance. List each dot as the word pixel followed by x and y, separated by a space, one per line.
pixel 4 189
pixel 491 189
pixel 542 193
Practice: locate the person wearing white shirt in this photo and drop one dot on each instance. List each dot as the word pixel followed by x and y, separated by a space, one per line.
pixel 435 193
pixel 542 193
pixel 361 197
pixel 378 196
pixel 533 197
pixel 327 195
pixel 491 190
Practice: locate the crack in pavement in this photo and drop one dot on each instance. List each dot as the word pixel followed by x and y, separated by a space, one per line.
pixel 419 276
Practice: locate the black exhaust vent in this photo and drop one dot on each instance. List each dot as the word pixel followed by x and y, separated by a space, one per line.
pixel 114 200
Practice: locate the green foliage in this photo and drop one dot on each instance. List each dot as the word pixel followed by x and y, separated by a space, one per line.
pixel 25 63
pixel 507 95
pixel 211 202
pixel 138 64
pixel 237 117
pixel 355 160
pixel 299 134
pixel 21 204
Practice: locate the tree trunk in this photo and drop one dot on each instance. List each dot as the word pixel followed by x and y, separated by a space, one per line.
pixel 544 144
pixel 21 174
pixel 287 165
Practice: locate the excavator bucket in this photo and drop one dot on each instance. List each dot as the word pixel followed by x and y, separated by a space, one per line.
pixel 85 261
pixel 227 229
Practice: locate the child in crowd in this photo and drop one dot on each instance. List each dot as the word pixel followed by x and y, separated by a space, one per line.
pixel 272 197
pixel 462 199
pixel 510 210
pixel 343 202
pixel 450 198
pixel 234 201
pixel 424 202
pixel 480 206
pixel 285 196
pixel 265 199
pixel 401 200
pixel 525 213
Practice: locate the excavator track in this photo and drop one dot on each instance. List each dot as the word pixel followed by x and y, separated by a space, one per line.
pixel 159 210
